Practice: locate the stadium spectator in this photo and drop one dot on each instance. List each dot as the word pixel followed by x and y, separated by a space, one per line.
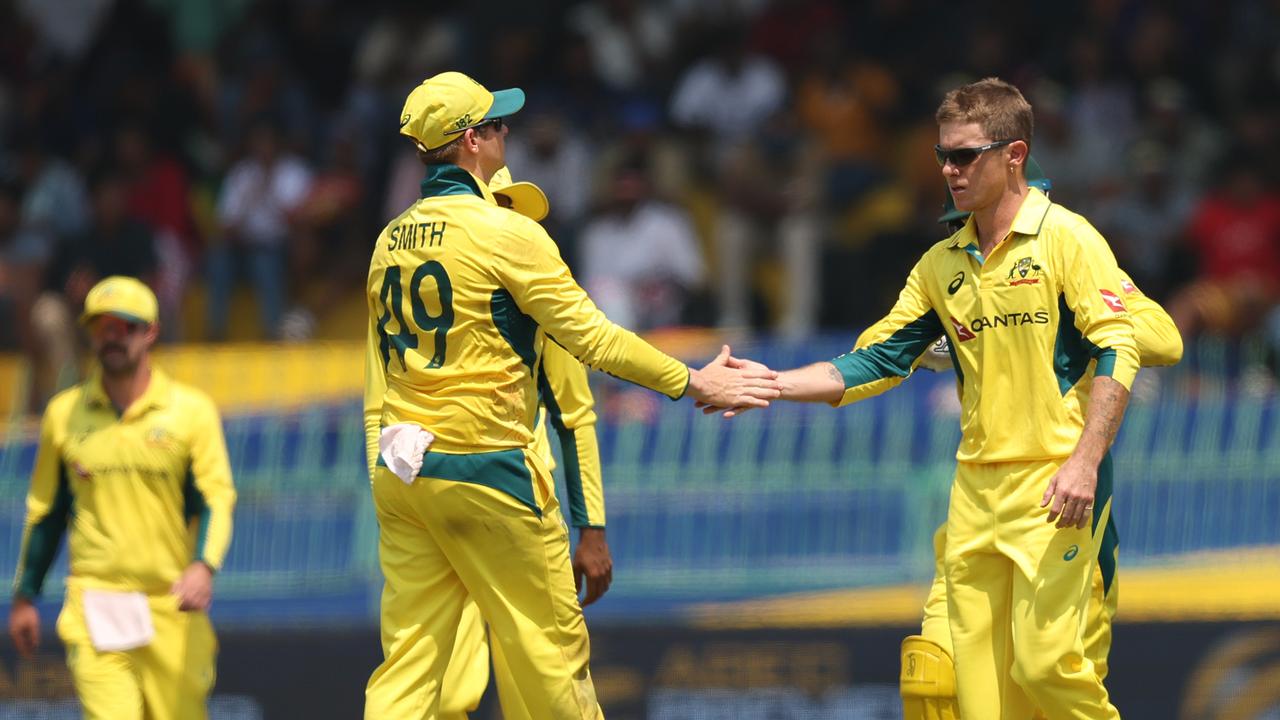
pixel 1235 234
pixel 113 244
pixel 630 41
pixel 1145 221
pixel 24 252
pixel 640 257
pixel 158 195
pixel 255 211
pixel 552 155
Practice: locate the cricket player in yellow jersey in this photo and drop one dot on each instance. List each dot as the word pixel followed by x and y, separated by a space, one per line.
pixel 463 295
pixel 927 680
pixel 1028 295
pixel 135 465
pixel 567 404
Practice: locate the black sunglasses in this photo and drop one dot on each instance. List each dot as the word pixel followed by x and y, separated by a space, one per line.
pixel 961 157
pixel 495 123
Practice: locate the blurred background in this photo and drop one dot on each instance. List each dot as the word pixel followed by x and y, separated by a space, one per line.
pixel 753 171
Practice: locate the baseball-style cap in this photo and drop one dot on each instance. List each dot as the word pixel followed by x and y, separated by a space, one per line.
pixel 444 105
pixel 1035 178
pixel 124 297
pixel 526 198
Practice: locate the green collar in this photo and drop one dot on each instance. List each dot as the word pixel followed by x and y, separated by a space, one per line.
pixel 449 179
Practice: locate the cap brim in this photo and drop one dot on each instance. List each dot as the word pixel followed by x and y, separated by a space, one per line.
pixel 505 102
pixel 527 199
pixel 127 317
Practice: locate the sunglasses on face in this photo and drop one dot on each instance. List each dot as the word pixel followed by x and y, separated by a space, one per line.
pixel 960 157
pixel 121 326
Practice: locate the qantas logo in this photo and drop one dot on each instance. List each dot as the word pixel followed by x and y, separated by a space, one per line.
pixel 1113 301
pixel 962 333
pixel 1128 287
pixel 1013 319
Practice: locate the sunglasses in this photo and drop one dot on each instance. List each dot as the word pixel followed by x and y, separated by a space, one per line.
pixel 104 323
pixel 961 157
pixel 495 123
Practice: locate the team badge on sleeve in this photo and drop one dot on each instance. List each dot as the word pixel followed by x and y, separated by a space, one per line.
pixel 1128 287
pixel 1113 301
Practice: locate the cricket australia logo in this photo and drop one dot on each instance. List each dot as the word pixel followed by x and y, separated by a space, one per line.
pixel 1024 272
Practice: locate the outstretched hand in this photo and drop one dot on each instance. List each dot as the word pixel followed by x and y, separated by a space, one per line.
pixel 732 385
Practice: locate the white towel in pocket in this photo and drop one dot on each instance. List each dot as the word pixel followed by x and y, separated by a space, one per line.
pixel 117 620
pixel 402 446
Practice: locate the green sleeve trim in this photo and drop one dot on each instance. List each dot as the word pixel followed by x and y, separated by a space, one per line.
pixel 1106 366
pixel 44 540
pixel 578 514
pixel 195 506
pixel 891 357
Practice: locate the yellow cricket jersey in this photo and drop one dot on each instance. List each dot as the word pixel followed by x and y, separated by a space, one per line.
pixel 145 492
pixel 462 297
pixel 1024 324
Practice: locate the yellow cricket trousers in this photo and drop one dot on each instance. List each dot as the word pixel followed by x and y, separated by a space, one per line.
pixel 1018 591
pixel 1097 635
pixel 468 673
pixel 168 679
pixel 444 543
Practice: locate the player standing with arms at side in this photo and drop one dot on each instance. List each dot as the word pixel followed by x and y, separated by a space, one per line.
pixel 463 295
pixel 136 464
pixel 1028 295
pixel 928 677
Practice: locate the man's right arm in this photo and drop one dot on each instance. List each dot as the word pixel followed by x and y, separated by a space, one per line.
pixel 529 266
pixel 48 510
pixel 885 354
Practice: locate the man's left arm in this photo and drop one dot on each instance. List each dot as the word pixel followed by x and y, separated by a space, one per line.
pixel 209 498
pixel 571 412
pixel 1091 291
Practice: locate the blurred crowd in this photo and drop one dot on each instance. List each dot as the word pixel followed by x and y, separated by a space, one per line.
pixel 755 164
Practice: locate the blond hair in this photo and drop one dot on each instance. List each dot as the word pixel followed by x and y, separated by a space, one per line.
pixel 995 105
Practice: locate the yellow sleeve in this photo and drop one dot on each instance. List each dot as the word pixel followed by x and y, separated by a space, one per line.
pixel 530 268
pixel 210 495
pixel 895 343
pixel 48 508
pixel 375 388
pixel 564 389
pixel 1159 342
pixel 1089 277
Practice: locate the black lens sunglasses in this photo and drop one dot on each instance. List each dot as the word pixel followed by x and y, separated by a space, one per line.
pixel 961 157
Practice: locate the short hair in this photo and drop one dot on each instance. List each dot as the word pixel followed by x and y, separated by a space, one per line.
pixel 446 154
pixel 996 106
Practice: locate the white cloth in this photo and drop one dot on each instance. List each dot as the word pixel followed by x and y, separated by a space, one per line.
pixel 402 447
pixel 117 620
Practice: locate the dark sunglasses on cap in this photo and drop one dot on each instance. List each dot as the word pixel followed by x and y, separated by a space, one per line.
pixel 961 157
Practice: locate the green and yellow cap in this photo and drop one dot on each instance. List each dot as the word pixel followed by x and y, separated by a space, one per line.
pixel 444 105
pixel 1035 178
pixel 526 198
pixel 124 297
